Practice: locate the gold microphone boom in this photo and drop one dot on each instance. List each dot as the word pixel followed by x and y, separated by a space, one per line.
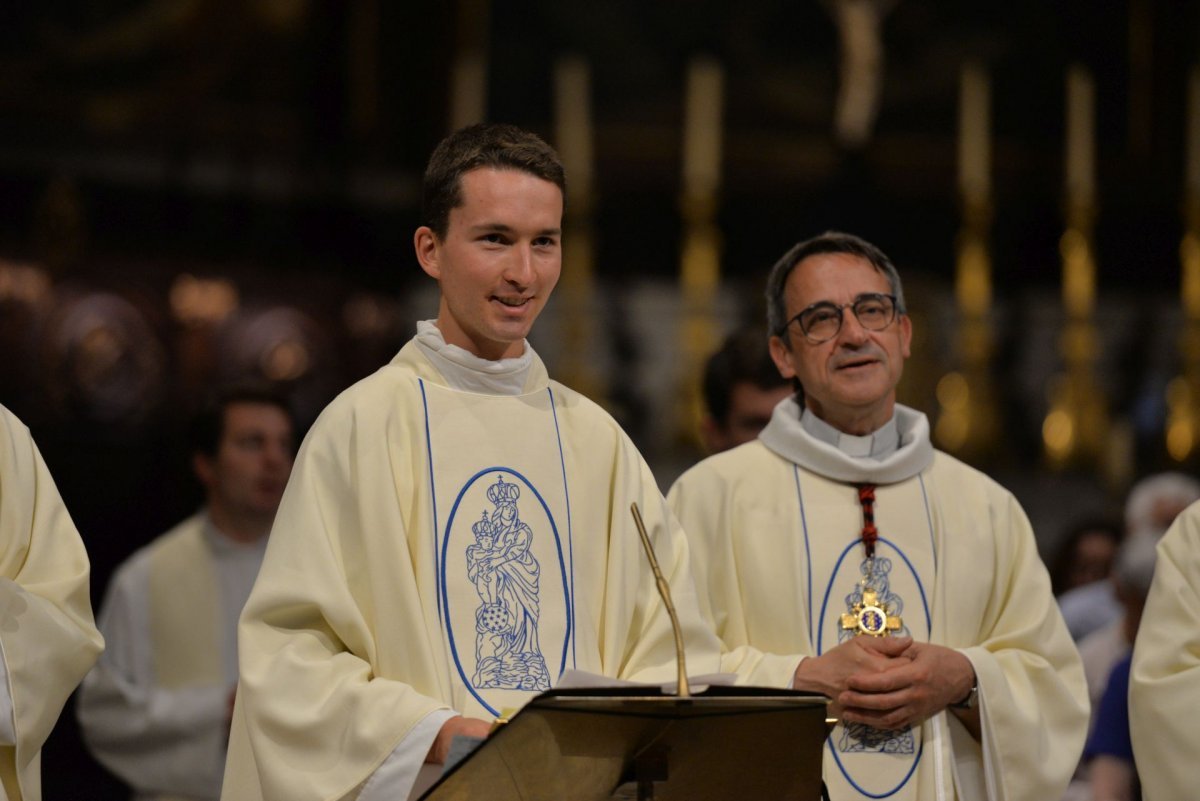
pixel 664 590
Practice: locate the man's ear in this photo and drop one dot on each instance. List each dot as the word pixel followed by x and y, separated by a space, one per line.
pixel 781 355
pixel 202 466
pixel 905 336
pixel 711 434
pixel 428 248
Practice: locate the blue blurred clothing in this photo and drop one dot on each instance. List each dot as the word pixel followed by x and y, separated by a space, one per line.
pixel 1110 737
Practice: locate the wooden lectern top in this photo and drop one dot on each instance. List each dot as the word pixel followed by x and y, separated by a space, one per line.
pixel 725 744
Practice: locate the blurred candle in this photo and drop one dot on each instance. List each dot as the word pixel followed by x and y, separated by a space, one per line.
pixel 1081 146
pixel 572 93
pixel 702 128
pixel 1192 169
pixel 974 128
pixel 1189 250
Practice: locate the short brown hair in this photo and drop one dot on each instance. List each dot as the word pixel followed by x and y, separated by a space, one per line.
pixel 208 424
pixel 495 145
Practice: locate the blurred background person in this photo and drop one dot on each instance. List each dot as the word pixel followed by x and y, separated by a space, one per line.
pixel 156 708
pixel 1086 554
pixel 741 387
pixel 1150 508
pixel 1106 769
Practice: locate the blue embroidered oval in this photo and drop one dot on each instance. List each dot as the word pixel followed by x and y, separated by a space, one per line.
pixel 504 588
pixel 867 756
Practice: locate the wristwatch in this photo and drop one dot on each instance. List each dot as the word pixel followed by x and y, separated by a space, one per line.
pixel 972 699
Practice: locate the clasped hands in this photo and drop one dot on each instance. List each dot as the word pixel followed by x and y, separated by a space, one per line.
pixel 889 682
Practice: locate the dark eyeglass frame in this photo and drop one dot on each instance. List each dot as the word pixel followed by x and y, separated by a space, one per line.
pixel 839 310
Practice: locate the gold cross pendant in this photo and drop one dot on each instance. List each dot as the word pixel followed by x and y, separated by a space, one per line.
pixel 869 617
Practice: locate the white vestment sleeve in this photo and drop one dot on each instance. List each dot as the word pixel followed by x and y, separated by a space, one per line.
pixel 156 739
pixel 8 730
pixel 47 633
pixel 706 517
pixel 314 718
pixel 1032 693
pixel 1164 679
pixel 398 773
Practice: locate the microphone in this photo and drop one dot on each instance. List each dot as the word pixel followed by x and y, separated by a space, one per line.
pixel 664 590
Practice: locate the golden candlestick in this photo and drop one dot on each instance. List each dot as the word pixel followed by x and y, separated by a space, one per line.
pixel 1075 430
pixel 469 72
pixel 700 259
pixel 573 134
pixel 967 419
pixel 1183 392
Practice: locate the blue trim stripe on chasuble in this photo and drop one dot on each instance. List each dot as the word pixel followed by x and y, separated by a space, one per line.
pixel 929 520
pixel 437 573
pixel 570 540
pixel 445 600
pixel 807 552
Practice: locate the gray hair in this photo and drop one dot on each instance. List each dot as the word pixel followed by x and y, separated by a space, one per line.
pixel 1134 566
pixel 1155 501
pixel 828 242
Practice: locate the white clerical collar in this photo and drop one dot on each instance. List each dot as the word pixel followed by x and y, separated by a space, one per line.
pixel 467 372
pixel 910 453
pixel 224 545
pixel 877 445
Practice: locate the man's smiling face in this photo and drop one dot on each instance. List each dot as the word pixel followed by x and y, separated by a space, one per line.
pixel 499 261
pixel 850 380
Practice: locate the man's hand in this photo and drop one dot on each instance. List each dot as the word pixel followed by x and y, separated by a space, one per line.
pixel 467 727
pixel 926 680
pixel 830 673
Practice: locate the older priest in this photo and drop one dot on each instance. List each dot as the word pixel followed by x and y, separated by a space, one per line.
pixel 841 553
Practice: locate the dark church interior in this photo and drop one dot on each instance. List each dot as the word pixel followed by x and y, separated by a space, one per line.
pixel 194 192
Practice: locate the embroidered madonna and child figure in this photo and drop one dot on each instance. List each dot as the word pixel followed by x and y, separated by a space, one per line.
pixel 505 572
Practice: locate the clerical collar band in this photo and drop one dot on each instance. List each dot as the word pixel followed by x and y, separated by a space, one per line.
pixel 891 457
pixel 877 445
pixel 467 372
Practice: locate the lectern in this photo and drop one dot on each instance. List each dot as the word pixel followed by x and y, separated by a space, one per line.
pixel 723 744
pixel 595 744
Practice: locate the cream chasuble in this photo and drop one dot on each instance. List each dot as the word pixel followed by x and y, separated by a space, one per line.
pixel 439 549
pixel 183 587
pixel 1164 681
pixel 779 562
pixel 47 635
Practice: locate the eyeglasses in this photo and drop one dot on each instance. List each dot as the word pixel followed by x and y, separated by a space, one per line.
pixel 821 322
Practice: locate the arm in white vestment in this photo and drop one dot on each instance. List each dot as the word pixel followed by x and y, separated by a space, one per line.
pixel 47 633
pixel 707 514
pixel 391 782
pixel 314 719
pixel 1164 682
pixel 1032 694
pixel 157 739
